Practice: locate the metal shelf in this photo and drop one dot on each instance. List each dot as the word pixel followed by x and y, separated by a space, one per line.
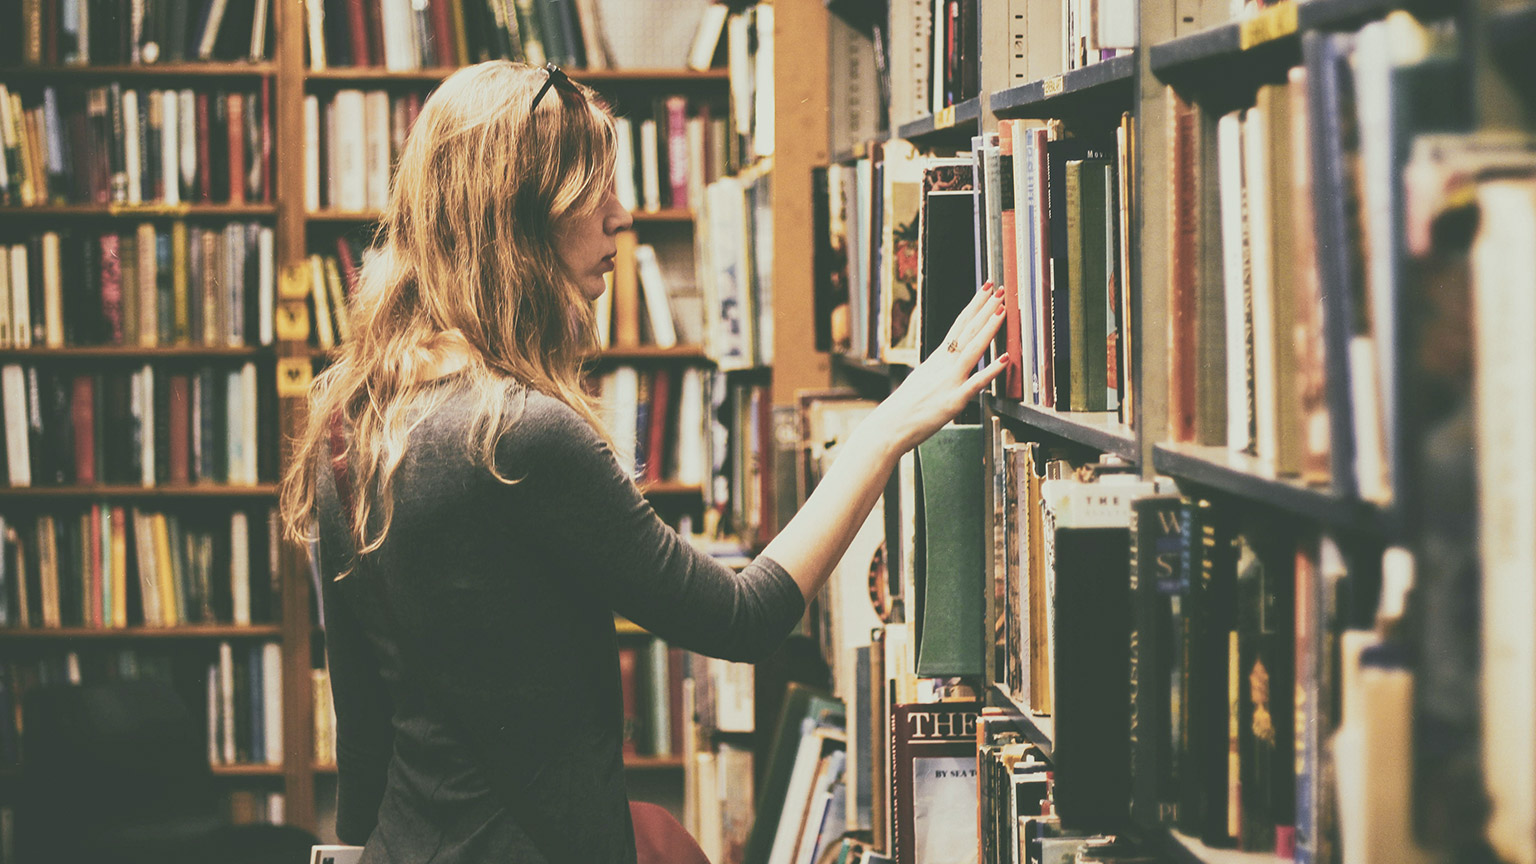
pixel 1108 85
pixel 1100 430
pixel 954 120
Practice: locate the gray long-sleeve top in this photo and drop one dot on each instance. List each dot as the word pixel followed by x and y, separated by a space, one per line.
pixel 473 658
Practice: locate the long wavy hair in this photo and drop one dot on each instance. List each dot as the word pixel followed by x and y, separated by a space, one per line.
pixel 466 253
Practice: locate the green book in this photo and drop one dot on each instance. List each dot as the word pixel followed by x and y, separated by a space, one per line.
pixel 952 547
pixel 1088 283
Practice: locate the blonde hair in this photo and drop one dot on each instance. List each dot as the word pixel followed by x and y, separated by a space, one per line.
pixel 466 245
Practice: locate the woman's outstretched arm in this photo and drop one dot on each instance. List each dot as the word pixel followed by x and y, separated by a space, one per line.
pixel 815 539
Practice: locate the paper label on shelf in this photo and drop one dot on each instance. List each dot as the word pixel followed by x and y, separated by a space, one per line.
pixel 1053 86
pixel 945 118
pixel 293 283
pixel 121 209
pixel 293 377
pixel 1273 23
pixel 292 321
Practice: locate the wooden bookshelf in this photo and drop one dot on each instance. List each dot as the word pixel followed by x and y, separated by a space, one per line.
pixel 112 634
pixel 202 491
pixel 134 352
pixel 86 72
pixel 139 212
pixel 349 217
pixel 273 771
pixel 1098 430
pixel 355 75
pixel 651 352
pixel 653 763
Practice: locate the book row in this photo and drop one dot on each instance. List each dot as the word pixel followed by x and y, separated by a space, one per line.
pixel 152 426
pixel 107 566
pixel 450 33
pixel 666 158
pixel 159 284
pixel 651 676
pixel 117 32
pixel 233 690
pixel 113 144
pixel 351 141
pixel 904 240
pixel 733 237
pixel 652 298
pixel 658 421
pixel 332 279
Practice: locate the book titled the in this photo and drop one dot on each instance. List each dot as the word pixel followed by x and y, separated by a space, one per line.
pixel 934 782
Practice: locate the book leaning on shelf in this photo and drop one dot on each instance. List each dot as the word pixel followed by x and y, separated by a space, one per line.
pixel 119 145
pixel 153 426
pixel 105 567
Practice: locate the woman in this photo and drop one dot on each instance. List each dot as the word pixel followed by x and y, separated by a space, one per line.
pixel 477 534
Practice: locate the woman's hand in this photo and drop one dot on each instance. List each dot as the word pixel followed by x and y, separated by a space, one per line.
pixel 947 381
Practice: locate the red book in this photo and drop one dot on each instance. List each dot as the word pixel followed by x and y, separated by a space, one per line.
pixel 235 106
pixel 933 756
pixel 1013 380
pixel 442 34
pixel 677 150
pixel 373 12
pixel 93 568
pixel 1183 267
pixel 82 413
pixel 112 287
pixel 266 138
pixel 656 435
pixel 629 663
pixel 180 438
pixel 357 34
pixel 204 150
pixel 348 265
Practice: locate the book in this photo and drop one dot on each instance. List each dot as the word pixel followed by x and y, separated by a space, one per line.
pixel 934 781
pixel 949 524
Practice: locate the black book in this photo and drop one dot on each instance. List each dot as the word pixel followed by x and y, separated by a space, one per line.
pixel 947 262
pixel 68 541
pixel 120 463
pixel 218 147
pixel 1157 590
pixel 162 421
pixel 1266 693
pixel 1208 623
pixel 54 451
pixel 823 262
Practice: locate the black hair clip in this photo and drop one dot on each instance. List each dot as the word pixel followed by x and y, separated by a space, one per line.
pixel 555 78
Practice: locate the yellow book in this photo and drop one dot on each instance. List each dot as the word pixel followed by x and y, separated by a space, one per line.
pixel 23 618
pixel 338 300
pixel 149 291
pixel 48 569
pixel 116 521
pixel 181 312
pixel 318 294
pixel 165 578
pixel 460 34
pixel 29 194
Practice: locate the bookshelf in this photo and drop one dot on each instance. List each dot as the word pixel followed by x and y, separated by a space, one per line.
pixel 1201 62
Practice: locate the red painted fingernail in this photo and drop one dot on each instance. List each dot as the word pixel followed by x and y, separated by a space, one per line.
pixel 1005 359
pixel 1001 309
pixel 999 291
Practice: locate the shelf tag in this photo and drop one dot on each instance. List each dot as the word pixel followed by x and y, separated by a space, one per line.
pixel 1273 23
pixel 293 282
pixel 945 118
pixel 292 321
pixel 1052 86
pixel 122 209
pixel 293 377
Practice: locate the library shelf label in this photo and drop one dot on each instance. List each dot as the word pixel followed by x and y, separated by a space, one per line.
pixel 945 119
pixel 293 377
pixel 1273 23
pixel 294 282
pixel 1053 86
pixel 292 321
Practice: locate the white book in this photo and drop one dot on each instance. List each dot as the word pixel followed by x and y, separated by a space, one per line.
pixel 1229 144
pixel 911 28
pixel 1257 194
pixel 266 283
pixel 315 19
pixel 624 163
pixel 661 707
pixel 259 30
pixel 186 137
pixel 131 154
pixel 350 150
pixel 53 292
pixel 330 854
pixel 626 396
pixel 1503 312
pixel 602 312
pixel 376 135
pixel 13 392
pixel 6 138
pixel 331 175
pixel 798 794
pixel 399 25
pixel 272 701
pixel 937 34
pixel 658 306
pixel 248 393
pixel 240 566
pixel 733 695
pixel 707 38
pixel 235 251
pixel 692 454
pixel 311 153
pixel 1115 24
pixel 763 90
pixel 235 454
pixel 650 167
pixel 170 148
pixel 21 304
pixel 226 703
pixel 144 557
pixel 696 159
pixel 210 32
pixel 1023 263
pixel 738 38
pixel 145 414
pixel 710 830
